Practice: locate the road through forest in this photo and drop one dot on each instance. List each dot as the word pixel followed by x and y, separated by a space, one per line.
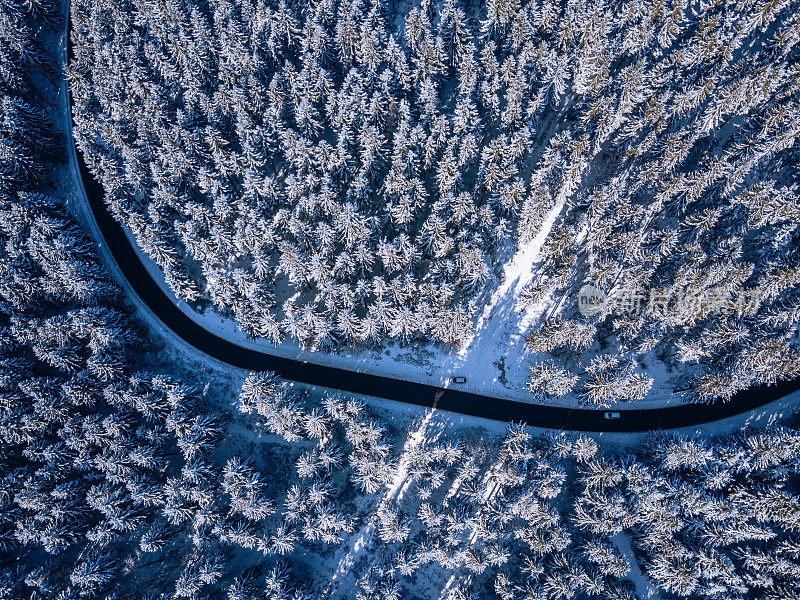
pixel 449 399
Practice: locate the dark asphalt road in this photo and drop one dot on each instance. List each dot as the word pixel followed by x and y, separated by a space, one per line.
pixel 450 399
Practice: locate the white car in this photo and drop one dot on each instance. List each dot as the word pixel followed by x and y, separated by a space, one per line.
pixel 458 379
pixel 611 415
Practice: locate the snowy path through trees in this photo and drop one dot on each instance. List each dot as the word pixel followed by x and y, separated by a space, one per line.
pixel 501 326
pixel 357 545
pixel 518 272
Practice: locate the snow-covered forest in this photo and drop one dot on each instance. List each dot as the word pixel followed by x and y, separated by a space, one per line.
pixel 121 478
pixel 117 483
pixel 121 484
pixel 343 172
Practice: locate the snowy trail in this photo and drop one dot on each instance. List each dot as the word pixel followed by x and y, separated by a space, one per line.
pixel 400 481
pixel 518 272
pixel 643 586
pixel 395 489
pixel 499 331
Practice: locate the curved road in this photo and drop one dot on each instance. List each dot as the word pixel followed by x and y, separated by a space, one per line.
pixel 449 399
